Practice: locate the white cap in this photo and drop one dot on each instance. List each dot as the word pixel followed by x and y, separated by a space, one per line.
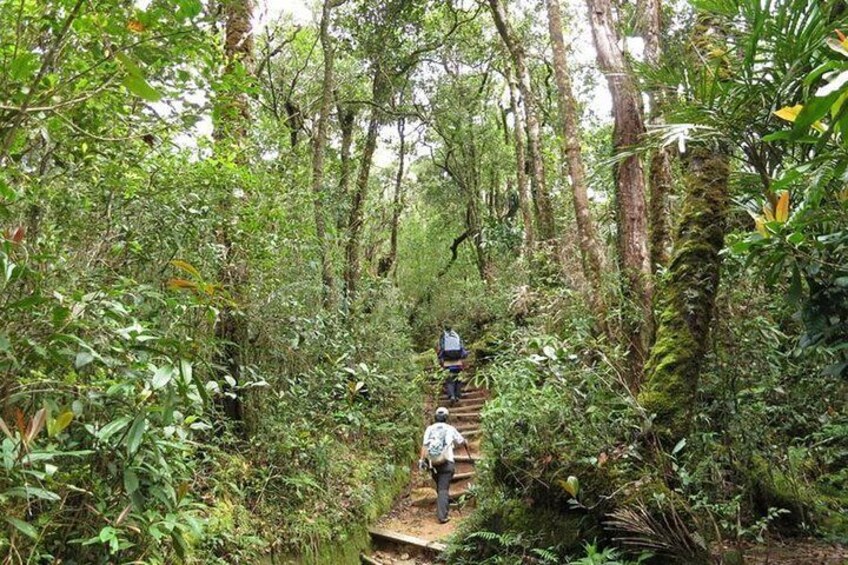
pixel 441 410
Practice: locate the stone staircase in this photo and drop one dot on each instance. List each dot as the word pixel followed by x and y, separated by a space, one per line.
pixel 465 417
pixel 410 535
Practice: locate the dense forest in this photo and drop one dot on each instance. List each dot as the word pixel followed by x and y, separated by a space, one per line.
pixel 231 232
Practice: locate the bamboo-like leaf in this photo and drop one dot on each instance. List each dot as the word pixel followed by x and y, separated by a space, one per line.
pixel 782 211
pixel 36 425
pixel 31 492
pixel 760 225
pixel 23 527
pixel 136 434
pixel 177 284
pixel 123 515
pixel 5 429
pixel 187 267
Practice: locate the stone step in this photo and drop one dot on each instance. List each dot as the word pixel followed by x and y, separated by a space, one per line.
pixel 465 417
pixel 464 408
pixel 468 395
pixel 462 476
pixel 463 403
pixel 427 496
pixel 464 468
pixel 472 434
pixel 467 427
pixel 399 538
pixel 466 459
pixel 470 390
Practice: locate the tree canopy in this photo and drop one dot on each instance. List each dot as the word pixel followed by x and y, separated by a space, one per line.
pixel 231 232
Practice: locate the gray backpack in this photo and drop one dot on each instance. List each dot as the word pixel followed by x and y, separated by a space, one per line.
pixel 451 346
pixel 437 446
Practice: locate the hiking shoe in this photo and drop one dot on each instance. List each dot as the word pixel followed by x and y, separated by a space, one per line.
pixel 445 521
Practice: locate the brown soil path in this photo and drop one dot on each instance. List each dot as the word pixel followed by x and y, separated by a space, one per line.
pixel 414 514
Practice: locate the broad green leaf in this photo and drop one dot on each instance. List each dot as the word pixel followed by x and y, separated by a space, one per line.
pixel 141 88
pixel 31 492
pixel 23 66
pixel 61 422
pixel 189 8
pixel 83 358
pixel 136 434
pixel 113 427
pixel 129 65
pixel 162 376
pixel 23 527
pixel 812 112
pixel 130 481
pixel 572 485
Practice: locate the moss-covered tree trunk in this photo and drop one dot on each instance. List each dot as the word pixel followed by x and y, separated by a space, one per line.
pixel 380 91
pixel 347 120
pixel 650 22
pixel 231 120
pixel 686 300
pixel 319 138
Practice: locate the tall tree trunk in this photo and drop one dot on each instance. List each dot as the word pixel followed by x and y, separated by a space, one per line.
pixel 474 227
pixel 544 208
pixel 590 249
pixel 230 135
pixel 379 94
pixel 521 164
pixel 319 139
pixel 660 181
pixel 687 300
pixel 630 183
pixel 347 119
pixel 396 199
pixel 659 174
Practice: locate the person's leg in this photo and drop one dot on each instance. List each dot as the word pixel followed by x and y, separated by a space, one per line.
pixel 451 386
pixel 443 479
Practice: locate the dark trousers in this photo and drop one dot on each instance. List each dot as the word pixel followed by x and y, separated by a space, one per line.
pixel 453 386
pixel 443 475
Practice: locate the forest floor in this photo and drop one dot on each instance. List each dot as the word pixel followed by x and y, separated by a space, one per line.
pixel 796 552
pixel 414 513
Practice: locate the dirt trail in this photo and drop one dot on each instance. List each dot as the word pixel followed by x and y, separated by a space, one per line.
pixel 414 514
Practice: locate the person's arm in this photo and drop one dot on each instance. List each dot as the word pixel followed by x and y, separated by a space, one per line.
pixel 459 440
pixel 422 454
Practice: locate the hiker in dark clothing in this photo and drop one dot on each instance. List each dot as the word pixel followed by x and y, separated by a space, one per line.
pixel 437 455
pixel 451 351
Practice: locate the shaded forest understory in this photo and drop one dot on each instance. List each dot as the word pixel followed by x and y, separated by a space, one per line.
pixel 230 234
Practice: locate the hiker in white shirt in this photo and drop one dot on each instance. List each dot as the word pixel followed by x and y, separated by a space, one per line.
pixel 437 454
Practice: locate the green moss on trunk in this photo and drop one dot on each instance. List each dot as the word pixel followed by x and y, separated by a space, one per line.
pixel 686 301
